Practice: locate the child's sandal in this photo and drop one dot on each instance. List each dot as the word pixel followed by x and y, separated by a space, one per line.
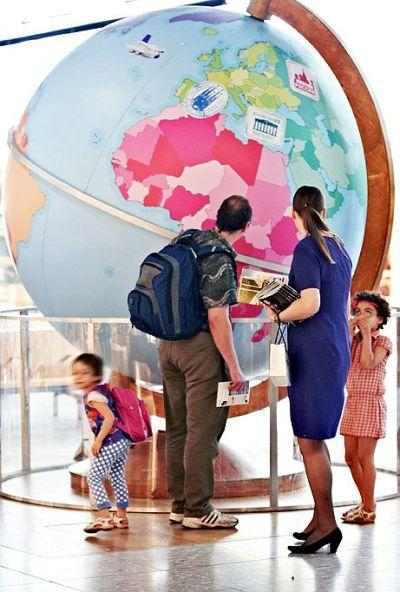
pixel 120 522
pixel 360 516
pixel 351 511
pixel 99 524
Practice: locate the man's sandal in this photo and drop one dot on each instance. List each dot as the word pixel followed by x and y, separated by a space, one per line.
pixel 360 516
pixel 99 524
pixel 120 522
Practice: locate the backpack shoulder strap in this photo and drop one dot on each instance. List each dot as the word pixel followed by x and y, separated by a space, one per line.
pixel 186 237
pixel 206 251
pixel 202 252
pixel 104 389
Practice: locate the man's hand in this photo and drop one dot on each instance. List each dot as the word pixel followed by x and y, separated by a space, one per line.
pixel 221 331
pixel 96 447
pixel 238 381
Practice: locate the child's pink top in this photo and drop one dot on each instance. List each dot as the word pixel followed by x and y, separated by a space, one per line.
pixel 367 381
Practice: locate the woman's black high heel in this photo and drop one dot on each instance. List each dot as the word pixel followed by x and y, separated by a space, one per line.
pixel 333 539
pixel 303 536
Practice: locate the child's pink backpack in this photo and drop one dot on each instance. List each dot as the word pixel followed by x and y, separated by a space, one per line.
pixel 135 419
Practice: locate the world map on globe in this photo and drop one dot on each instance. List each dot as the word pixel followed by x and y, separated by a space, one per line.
pixel 162 117
pixel 185 164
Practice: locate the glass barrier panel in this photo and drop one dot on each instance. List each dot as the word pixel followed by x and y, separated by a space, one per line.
pixel 55 411
pixel 129 352
pixel 386 450
pixel 293 486
pixel 257 450
pixel 244 467
pixel 10 402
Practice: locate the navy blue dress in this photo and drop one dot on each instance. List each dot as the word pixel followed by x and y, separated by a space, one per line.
pixel 319 348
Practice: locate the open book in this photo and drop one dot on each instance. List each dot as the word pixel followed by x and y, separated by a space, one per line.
pixel 266 288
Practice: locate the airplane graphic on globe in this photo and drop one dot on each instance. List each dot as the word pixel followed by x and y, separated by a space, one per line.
pixel 146 49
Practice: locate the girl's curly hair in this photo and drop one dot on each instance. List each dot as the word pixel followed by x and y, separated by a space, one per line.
pixel 382 305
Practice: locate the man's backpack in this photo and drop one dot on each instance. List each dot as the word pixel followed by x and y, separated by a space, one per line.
pixel 134 418
pixel 166 301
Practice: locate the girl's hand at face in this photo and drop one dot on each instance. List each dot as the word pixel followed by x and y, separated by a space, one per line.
pixel 353 326
pixel 364 326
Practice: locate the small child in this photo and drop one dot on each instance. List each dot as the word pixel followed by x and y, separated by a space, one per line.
pixel 364 416
pixel 110 447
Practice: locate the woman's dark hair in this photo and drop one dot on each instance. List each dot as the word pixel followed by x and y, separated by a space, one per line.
pixel 94 362
pixel 308 203
pixel 381 305
pixel 234 213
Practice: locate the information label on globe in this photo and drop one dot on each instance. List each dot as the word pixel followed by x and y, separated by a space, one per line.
pixel 302 80
pixel 264 126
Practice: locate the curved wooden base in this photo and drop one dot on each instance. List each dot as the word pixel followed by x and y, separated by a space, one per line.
pixel 236 473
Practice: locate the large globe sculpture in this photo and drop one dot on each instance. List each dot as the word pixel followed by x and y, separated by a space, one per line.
pixel 145 129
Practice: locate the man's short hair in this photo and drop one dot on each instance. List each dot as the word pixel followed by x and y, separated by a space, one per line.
pixel 234 213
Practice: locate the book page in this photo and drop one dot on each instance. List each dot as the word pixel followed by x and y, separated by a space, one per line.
pixel 252 281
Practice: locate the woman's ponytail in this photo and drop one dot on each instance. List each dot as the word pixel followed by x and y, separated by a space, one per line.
pixel 308 203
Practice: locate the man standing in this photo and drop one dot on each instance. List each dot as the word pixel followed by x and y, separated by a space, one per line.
pixel 192 369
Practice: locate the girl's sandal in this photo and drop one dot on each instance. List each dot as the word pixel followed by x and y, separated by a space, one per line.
pixel 120 522
pixel 351 511
pixel 361 516
pixel 99 524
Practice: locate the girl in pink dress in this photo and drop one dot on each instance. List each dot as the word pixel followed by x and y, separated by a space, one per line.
pixel 364 416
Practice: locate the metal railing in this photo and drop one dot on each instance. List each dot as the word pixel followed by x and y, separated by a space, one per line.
pixel 35 360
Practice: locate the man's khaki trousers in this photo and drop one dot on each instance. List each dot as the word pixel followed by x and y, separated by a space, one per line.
pixel 191 371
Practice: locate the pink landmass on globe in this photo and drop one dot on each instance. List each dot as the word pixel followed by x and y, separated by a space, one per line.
pixel 188 166
pixel 183 203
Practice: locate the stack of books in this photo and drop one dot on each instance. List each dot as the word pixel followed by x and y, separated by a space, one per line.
pixel 258 287
pixel 277 294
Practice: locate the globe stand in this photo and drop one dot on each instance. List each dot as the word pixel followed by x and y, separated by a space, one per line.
pixel 259 9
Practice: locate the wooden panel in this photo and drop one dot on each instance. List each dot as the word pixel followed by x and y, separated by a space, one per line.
pixel 237 472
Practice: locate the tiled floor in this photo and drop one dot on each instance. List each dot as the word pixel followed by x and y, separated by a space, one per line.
pixel 45 550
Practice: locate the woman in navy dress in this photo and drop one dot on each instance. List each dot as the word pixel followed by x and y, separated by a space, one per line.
pixel 319 356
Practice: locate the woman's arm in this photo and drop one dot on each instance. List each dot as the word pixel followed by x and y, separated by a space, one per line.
pixel 306 273
pixel 306 306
